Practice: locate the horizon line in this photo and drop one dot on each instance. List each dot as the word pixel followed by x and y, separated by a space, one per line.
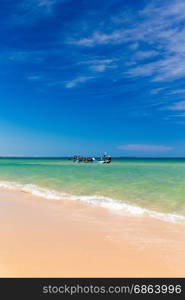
pixel 59 157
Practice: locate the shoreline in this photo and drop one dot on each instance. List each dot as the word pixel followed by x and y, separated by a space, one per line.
pixel 114 205
pixel 44 238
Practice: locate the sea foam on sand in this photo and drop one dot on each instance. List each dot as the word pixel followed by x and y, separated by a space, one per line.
pixel 112 204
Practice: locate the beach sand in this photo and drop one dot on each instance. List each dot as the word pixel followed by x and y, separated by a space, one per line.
pixel 44 238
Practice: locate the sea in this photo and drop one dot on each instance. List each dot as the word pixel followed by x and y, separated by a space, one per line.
pixel 153 187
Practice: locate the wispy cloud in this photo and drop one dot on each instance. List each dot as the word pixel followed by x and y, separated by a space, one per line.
pixel 160 27
pixel 81 79
pixel 139 55
pixel 177 106
pixel 144 47
pixel 181 115
pixel 177 92
pixel 100 65
pixel 168 68
pixel 18 56
pixel 156 90
pixel 99 38
pixel 46 3
pixel 34 77
pixel 145 148
pixel 165 31
pixel 31 11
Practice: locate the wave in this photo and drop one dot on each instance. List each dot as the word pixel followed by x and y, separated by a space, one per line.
pixel 105 202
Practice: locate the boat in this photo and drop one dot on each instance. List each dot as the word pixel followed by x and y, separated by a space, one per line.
pixel 79 158
pixel 106 159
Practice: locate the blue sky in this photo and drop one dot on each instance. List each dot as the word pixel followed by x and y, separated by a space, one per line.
pixel 80 76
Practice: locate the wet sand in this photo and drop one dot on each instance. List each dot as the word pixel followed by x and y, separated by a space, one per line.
pixel 44 238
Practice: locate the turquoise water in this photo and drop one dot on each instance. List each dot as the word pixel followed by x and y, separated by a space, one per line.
pixel 157 185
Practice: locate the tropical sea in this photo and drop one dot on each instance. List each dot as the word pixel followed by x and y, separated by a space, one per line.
pixel 142 187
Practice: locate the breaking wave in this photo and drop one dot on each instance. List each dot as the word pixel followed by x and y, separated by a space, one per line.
pixel 106 202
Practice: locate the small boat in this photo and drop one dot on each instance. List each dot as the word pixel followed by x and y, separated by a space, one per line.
pixel 81 159
pixel 106 159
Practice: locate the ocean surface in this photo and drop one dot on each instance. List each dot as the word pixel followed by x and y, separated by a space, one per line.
pixel 154 187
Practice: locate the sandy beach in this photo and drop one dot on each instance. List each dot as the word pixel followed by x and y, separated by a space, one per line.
pixel 44 238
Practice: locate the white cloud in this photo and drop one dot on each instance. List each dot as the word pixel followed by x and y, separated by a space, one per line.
pixel 142 70
pixel 145 148
pixel 166 69
pixel 134 46
pixel 177 106
pixel 156 91
pixel 46 3
pixel 100 65
pixel 139 55
pixel 81 79
pixel 175 92
pixel 159 27
pixel 182 115
pixel 165 9
pixel 99 38
pixel 163 29
pixel 31 7
pixel 99 68
pixel 31 11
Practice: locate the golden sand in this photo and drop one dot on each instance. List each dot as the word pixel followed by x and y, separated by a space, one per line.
pixel 44 238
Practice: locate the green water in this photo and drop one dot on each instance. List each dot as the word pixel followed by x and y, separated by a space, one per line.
pixel 155 184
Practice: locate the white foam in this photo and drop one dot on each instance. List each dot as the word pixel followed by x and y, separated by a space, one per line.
pixel 106 202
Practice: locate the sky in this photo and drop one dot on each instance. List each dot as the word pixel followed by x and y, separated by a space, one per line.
pixel 84 77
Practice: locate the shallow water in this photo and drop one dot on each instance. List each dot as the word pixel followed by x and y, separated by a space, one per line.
pixel 133 185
